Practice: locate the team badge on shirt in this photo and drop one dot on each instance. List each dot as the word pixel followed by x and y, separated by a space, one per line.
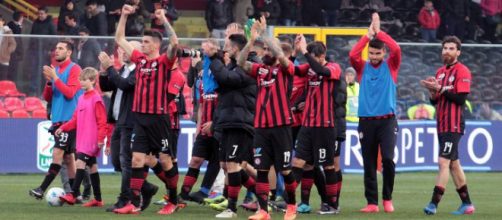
pixel 440 77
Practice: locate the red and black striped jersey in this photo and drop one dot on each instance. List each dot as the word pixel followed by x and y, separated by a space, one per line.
pixel 273 107
pixel 152 80
pixel 208 103
pixel 455 79
pixel 298 94
pixel 176 85
pixel 320 103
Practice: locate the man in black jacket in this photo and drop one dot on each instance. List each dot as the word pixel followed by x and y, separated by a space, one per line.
pixel 218 16
pixel 88 50
pixel 234 116
pixel 122 87
pixel 40 48
pixel 94 19
pixel 16 26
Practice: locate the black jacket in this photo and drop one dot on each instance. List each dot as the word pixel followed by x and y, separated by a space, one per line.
pixel 110 83
pixel 218 15
pixel 341 107
pixel 236 97
pixel 89 54
pixel 97 24
pixel 42 46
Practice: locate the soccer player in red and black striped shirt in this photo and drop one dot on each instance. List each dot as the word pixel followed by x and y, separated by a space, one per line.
pixel 205 148
pixel 317 137
pixel 449 90
pixel 273 118
pixel 150 105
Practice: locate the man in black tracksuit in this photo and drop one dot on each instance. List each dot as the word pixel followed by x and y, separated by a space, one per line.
pixel 234 117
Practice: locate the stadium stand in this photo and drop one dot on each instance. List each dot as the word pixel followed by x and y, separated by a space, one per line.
pixel 39 113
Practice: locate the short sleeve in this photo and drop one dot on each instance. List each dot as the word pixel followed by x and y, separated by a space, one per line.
pixel 334 70
pixel 168 62
pixel 176 83
pixel 463 84
pixel 303 69
pixel 254 69
pixel 136 55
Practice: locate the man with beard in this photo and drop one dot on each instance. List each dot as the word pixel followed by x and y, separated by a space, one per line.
pixel 63 90
pixel 273 118
pixel 233 118
pixel 377 108
pixel 448 92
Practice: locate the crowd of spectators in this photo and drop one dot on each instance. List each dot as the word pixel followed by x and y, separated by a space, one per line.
pixel 414 20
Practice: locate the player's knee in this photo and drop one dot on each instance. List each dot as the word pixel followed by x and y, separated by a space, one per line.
pixel 233 167
pixel 138 162
pixel 444 164
pixel 196 162
pixel 223 166
pixel 80 164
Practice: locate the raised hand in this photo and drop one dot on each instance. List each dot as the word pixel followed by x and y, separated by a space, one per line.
pixel 105 60
pixel 263 23
pixel 376 22
pixel 255 32
pixel 161 15
pixel 128 9
pixel 232 29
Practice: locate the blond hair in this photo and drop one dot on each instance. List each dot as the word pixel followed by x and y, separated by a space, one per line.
pixel 89 73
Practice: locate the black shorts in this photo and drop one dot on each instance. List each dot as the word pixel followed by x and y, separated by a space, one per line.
pixel 172 150
pixel 205 147
pixel 448 145
pixel 89 161
pixel 272 146
pixel 294 131
pixel 66 141
pixel 316 145
pixel 150 133
pixel 338 146
pixel 235 145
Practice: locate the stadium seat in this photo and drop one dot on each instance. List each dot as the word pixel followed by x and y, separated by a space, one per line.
pixel 7 85
pixel 13 103
pixel 8 88
pixel 39 113
pixel 489 94
pixel 20 113
pixel 33 103
pixel 405 93
pixel 488 69
pixel 4 114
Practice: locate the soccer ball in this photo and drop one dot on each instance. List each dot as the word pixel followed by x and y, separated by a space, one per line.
pixel 52 196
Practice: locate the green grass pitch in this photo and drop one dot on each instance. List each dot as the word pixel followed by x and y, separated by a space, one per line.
pixel 411 193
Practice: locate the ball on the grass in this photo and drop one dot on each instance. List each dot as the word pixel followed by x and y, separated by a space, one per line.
pixel 52 196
